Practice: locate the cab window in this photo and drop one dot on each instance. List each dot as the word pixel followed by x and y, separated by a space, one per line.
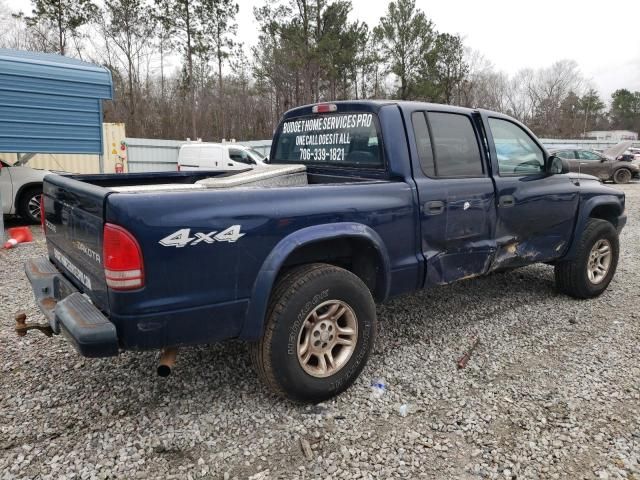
pixel 447 145
pixel 517 153
pixel 456 148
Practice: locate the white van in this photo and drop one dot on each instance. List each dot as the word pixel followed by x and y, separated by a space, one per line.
pixel 218 156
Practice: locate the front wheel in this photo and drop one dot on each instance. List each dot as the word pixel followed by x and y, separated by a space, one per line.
pixel 320 328
pixel 622 175
pixel 591 271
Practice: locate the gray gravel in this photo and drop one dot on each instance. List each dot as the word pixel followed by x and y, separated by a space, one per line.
pixel 551 391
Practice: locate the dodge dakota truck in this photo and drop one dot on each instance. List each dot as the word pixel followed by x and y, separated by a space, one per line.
pixel 361 201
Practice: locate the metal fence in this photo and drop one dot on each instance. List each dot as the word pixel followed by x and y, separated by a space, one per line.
pixel 149 155
pixel 551 143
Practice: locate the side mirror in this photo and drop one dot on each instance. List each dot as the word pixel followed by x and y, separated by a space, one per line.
pixel 557 165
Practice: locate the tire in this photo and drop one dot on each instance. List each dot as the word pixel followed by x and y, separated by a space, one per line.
pixel 573 278
pixel 281 359
pixel 622 175
pixel 29 204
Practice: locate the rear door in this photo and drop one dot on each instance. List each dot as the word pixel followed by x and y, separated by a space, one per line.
pixel 456 195
pixel 536 211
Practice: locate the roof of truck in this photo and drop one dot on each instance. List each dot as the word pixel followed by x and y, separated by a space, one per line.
pixel 404 104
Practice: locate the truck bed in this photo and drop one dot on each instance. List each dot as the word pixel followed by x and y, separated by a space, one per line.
pixel 189 180
pixel 180 227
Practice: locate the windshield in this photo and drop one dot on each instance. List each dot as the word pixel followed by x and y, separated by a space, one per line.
pixel 342 139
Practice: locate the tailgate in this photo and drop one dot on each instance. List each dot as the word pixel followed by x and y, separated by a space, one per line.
pixel 74 220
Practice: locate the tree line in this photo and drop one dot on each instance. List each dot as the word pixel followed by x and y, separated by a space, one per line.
pixel 180 71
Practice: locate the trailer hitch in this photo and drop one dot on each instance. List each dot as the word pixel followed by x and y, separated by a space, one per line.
pixel 22 327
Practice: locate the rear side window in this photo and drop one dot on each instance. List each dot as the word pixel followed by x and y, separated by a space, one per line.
pixel 452 148
pixel 455 145
pixel 342 139
pixel 423 142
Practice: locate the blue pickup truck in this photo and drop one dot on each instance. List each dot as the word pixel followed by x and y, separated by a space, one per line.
pixel 389 197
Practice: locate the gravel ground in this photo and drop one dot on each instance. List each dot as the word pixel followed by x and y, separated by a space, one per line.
pixel 551 391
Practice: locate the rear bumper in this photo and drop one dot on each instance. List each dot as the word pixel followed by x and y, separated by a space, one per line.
pixel 94 335
pixel 69 312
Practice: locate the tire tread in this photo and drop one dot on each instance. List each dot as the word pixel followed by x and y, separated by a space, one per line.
pixel 286 287
pixel 569 275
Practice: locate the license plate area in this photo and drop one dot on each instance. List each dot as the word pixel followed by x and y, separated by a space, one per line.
pixel 61 289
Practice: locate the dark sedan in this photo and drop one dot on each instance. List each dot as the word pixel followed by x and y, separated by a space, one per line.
pixel 599 165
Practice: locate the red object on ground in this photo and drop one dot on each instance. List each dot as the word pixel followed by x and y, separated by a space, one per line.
pixel 18 235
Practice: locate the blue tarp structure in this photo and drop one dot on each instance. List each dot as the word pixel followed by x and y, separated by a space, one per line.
pixel 50 103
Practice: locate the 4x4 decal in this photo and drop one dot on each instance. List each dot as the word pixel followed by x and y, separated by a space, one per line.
pixel 182 237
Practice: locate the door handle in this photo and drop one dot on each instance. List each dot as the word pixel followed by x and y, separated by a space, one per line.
pixel 434 208
pixel 507 201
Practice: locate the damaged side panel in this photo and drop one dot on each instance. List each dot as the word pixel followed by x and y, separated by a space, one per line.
pixel 513 253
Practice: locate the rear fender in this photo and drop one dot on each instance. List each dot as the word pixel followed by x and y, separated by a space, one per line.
pixel 254 321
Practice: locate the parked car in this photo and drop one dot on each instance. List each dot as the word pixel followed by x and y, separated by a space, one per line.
pixel 633 152
pixel 20 188
pixel 394 197
pixel 217 157
pixel 607 166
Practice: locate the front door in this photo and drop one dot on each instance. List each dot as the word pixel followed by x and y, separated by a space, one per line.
pixel 456 195
pixel 593 164
pixel 536 211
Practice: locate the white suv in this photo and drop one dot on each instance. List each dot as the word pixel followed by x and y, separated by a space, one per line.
pixel 20 189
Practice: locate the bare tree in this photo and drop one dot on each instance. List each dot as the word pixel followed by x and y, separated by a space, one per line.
pixel 65 17
pixel 127 26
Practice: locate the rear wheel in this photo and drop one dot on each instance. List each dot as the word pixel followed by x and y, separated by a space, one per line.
pixel 591 271
pixel 622 175
pixel 29 204
pixel 321 326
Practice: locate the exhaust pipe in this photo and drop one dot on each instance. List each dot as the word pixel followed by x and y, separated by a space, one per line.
pixel 167 360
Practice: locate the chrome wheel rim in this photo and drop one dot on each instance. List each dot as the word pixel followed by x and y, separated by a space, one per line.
pixel 327 338
pixel 599 261
pixel 34 206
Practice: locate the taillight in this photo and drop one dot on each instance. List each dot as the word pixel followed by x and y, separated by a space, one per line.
pixel 42 224
pixel 122 257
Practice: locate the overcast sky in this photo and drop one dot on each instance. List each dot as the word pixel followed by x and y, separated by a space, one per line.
pixel 603 36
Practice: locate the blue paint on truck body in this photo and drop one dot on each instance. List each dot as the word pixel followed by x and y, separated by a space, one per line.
pixel 398 228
